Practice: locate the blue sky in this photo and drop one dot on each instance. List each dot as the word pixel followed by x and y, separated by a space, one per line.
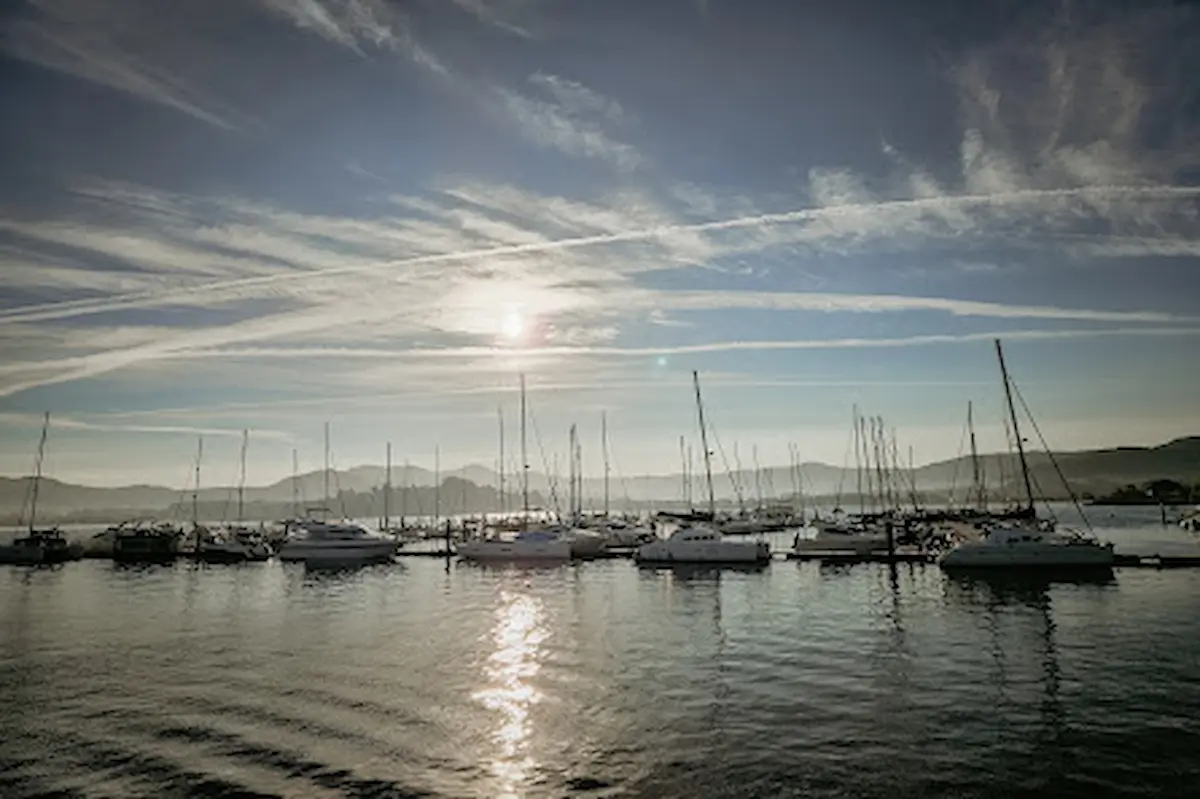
pixel 274 213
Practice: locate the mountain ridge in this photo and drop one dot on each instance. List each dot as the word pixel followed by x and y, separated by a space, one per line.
pixel 1089 471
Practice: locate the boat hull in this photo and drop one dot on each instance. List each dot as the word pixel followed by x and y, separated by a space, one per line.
pixel 493 549
pixel 337 552
pixel 704 552
pixel 824 542
pixel 983 556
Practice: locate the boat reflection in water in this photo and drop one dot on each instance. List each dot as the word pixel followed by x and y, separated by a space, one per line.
pixel 508 675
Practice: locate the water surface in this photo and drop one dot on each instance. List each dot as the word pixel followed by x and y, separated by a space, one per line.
pixel 598 679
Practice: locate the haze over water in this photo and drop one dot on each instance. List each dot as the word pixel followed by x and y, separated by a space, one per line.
pixel 598 679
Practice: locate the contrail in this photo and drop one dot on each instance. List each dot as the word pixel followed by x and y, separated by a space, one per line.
pixel 73 308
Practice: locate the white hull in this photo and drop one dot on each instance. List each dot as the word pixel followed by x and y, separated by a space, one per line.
pixel 977 556
pixel 1022 546
pixel 337 551
pixel 500 549
pixel 841 542
pixel 697 545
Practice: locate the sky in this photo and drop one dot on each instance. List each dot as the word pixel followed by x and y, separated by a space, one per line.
pixel 273 214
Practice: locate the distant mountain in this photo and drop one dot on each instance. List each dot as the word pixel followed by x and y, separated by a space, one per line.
pixel 472 488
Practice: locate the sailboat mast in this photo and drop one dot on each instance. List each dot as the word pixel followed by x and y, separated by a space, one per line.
pixel 387 487
pixel 858 470
pixel 571 497
pixel 196 485
pixel 757 475
pixel 37 471
pixel 712 500
pixel 295 484
pixel 242 478
pixel 326 503
pixel 977 486
pixel 524 459
pixel 437 486
pixel 500 421
pixel 604 446
pixel 1012 413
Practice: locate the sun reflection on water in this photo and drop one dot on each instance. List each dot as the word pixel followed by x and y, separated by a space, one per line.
pixel 518 636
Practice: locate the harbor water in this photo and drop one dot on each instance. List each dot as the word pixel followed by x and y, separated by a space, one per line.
pixel 442 679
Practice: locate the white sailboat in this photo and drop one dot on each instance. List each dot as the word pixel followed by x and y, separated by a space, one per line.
pixel 1021 543
pixel 345 543
pixel 702 543
pixel 544 543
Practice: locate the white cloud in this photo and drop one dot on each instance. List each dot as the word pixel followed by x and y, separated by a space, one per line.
pixel 356 24
pixel 574 120
pixel 126 46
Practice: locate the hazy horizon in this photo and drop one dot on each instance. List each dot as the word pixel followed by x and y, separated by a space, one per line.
pixel 271 215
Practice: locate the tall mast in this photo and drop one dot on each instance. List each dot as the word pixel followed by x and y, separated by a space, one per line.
pixel 404 492
pixel 604 446
pixel 579 476
pixel 500 421
pixel 524 460
pixel 387 487
pixel 712 500
pixel 242 478
pixel 437 486
pixel 757 475
pixel 326 503
pixel 864 458
pixel 295 484
pixel 196 485
pixel 571 496
pixel 1012 412
pixel 858 470
pixel 976 483
pixel 37 471
pixel 885 493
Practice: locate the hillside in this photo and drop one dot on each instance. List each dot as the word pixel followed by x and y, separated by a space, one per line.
pixel 473 487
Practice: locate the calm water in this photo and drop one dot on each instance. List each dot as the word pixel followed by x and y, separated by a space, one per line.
pixel 598 679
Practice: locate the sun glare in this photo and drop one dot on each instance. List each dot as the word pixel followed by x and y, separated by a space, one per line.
pixel 512 327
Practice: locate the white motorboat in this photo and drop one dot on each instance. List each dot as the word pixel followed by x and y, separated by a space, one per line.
pixel 1029 546
pixel 530 545
pixel 835 538
pixel 318 542
pixel 702 545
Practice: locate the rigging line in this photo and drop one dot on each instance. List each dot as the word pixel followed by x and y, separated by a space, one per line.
pixel 1053 460
pixel 552 480
pixel 962 438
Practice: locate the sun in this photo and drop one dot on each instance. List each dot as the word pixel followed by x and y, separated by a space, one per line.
pixel 512 327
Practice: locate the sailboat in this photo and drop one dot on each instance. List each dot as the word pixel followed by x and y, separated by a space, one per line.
pixel 1026 542
pixel 45 545
pixel 701 543
pixel 527 544
pixel 319 542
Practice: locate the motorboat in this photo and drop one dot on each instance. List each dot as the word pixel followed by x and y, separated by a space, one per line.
pixel 1023 545
pixel 526 545
pixel 702 544
pixel 841 538
pixel 320 542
